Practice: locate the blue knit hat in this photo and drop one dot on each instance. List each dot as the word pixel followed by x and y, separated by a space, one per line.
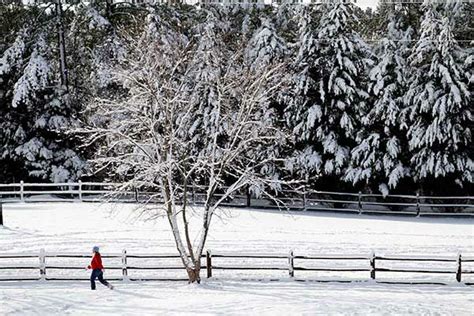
pixel 95 249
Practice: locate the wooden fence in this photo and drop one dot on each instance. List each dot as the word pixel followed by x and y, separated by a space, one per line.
pixel 309 200
pixel 292 264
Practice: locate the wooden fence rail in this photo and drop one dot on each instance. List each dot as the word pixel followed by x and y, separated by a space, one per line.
pixel 293 265
pixel 308 200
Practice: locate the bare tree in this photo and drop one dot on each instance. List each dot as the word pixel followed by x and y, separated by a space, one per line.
pixel 159 134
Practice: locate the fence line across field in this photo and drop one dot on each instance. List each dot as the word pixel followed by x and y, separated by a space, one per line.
pixel 309 200
pixel 371 266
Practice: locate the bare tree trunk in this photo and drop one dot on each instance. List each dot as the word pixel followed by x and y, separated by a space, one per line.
pixel 62 49
pixel 185 221
pixel 194 274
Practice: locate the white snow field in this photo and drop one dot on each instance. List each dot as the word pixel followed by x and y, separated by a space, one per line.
pixel 76 227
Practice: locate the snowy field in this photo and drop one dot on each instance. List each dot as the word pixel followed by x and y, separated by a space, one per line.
pixel 75 227
pixel 235 298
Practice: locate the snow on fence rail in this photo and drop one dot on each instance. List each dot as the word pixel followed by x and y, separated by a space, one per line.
pixel 293 264
pixel 309 200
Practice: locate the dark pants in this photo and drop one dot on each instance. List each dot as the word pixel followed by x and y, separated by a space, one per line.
pixel 98 274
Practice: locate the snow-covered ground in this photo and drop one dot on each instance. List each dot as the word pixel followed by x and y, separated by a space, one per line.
pixel 75 227
pixel 235 298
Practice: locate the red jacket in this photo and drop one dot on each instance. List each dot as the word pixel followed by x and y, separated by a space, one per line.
pixel 96 262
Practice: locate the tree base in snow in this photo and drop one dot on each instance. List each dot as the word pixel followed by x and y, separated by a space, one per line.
pixel 194 275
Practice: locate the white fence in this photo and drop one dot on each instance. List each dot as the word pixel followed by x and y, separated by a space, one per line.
pixel 310 200
pixel 49 265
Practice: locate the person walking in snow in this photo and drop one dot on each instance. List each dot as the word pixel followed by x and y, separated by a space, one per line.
pixel 97 269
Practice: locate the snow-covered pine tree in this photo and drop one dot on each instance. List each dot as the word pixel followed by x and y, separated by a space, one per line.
pixel 469 66
pixel 286 20
pixel 36 77
pixel 162 24
pixel 213 62
pixel 378 159
pixel 210 61
pixel 412 14
pixel 11 63
pixel 329 92
pixel 439 104
pixel 94 48
pixel 43 116
pixel 265 46
pixel 461 13
pixel 12 58
pixel 303 159
pixel 36 115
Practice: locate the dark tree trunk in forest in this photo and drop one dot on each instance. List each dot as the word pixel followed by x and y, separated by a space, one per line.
pixel 61 43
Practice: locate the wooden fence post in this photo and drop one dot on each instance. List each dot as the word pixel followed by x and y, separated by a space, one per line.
pixel 359 204
pixel 124 266
pixel 22 196
pixel 136 194
pixel 1 214
pixel 42 264
pixel 304 199
pixel 459 270
pixel 249 196
pixel 291 264
pixel 80 190
pixel 417 204
pixel 209 263
pixel 372 266
pixel 193 195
